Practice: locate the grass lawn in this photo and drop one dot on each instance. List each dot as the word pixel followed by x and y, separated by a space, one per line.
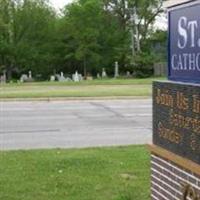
pixel 95 88
pixel 116 173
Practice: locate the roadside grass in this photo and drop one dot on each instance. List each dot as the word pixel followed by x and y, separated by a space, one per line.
pixel 75 91
pixel 112 173
pixel 95 88
pixel 109 81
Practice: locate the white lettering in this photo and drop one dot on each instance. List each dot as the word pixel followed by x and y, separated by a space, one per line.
pixel 192 25
pixel 180 64
pixel 197 61
pixel 173 62
pixel 185 57
pixel 182 24
pixel 192 61
pixel 186 62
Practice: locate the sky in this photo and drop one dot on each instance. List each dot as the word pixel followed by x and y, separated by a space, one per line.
pixel 161 22
pixel 60 3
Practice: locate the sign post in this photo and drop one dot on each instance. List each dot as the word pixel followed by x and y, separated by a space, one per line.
pixel 175 153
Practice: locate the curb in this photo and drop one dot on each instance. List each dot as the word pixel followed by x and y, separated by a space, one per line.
pixel 74 98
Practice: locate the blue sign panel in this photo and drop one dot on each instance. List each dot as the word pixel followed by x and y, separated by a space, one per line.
pixel 184 44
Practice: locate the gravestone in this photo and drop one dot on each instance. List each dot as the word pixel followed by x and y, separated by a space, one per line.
pixel 98 76
pixel 116 69
pixel 3 77
pixel 175 153
pixel 52 78
pixel 160 69
pixel 76 77
pixel 81 77
pixel 61 78
pixel 23 78
pixel 30 74
pixel 128 74
pixel 104 74
pixel 30 78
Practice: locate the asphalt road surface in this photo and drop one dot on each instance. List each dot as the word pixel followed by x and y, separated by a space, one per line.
pixel 74 124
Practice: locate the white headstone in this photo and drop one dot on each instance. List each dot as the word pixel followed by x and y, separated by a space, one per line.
pixel 76 77
pixel 116 69
pixel 98 76
pixel 23 78
pixel 30 75
pixel 52 78
pixel 104 74
pixel 80 77
pixel 128 74
pixel 61 78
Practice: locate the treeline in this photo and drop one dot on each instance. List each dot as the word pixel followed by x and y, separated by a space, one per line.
pixel 87 35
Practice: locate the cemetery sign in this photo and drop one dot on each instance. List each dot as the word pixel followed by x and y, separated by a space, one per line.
pixel 184 43
pixel 175 152
pixel 176 123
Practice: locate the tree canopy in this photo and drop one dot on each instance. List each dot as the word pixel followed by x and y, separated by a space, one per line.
pixel 87 36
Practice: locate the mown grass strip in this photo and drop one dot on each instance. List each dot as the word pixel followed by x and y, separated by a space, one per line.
pixel 92 82
pixel 117 173
pixel 75 91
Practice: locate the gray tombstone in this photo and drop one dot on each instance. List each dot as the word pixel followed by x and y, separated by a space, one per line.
pixel 30 75
pixel 80 77
pixel 61 78
pixel 116 69
pixel 23 78
pixel 52 78
pixel 98 76
pixel 128 74
pixel 57 77
pixel 75 77
pixel 3 77
pixel 104 74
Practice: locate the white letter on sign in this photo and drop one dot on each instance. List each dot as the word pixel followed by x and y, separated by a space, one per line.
pixel 192 25
pixel 182 42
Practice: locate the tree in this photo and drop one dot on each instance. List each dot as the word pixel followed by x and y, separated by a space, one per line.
pixel 6 34
pixel 144 14
pixel 92 35
pixel 28 35
pixel 89 35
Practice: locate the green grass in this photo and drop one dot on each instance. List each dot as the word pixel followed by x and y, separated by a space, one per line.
pixel 118 173
pixel 33 91
pixel 96 88
pixel 113 81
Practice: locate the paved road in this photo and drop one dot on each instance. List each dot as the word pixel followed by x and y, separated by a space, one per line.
pixel 67 124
